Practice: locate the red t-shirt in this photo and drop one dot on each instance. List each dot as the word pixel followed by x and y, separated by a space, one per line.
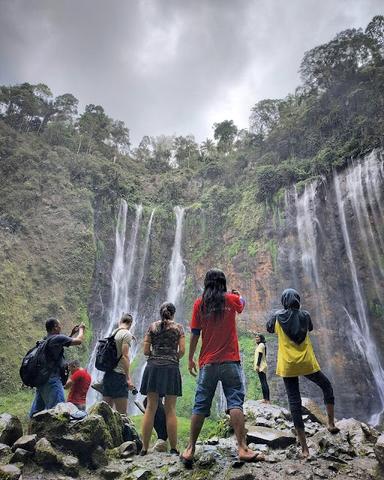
pixel 219 335
pixel 81 381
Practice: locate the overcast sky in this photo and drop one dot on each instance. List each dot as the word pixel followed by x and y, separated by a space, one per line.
pixel 169 66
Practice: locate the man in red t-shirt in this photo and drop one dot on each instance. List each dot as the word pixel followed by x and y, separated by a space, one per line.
pixel 214 316
pixel 78 383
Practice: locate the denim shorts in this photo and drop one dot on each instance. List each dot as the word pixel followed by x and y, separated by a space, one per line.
pixel 231 376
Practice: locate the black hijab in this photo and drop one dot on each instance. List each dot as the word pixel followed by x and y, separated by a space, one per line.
pixel 294 322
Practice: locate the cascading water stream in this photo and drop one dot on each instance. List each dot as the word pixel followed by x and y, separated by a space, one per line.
pixel 177 272
pixel 306 221
pixel 368 350
pixel 138 325
pixel 120 280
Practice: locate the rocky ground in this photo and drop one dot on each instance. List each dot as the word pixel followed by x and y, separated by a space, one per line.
pixel 104 445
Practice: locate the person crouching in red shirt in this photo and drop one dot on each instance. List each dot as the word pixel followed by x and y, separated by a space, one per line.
pixel 78 383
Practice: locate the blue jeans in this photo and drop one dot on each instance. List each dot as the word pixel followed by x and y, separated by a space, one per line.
pixel 48 395
pixel 231 376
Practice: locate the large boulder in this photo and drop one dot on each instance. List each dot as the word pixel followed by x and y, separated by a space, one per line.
pixel 45 454
pixel 379 449
pixel 336 444
pixel 312 409
pixel 112 419
pixel 270 436
pixel 10 429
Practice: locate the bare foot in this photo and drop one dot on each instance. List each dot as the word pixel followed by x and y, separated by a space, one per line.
pixel 304 454
pixel 247 455
pixel 188 453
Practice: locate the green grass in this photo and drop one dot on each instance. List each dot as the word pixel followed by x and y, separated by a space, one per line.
pixel 210 429
pixel 17 403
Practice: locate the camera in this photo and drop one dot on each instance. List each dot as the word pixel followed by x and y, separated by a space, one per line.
pixel 134 391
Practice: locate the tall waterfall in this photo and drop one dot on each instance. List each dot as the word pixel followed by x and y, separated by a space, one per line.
pixel 137 315
pixel 362 337
pixel 332 250
pixel 177 272
pixel 122 271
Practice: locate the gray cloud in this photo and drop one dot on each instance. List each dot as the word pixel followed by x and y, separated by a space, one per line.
pixel 169 66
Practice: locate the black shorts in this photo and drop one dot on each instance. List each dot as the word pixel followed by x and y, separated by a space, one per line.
pixel 115 385
pixel 161 379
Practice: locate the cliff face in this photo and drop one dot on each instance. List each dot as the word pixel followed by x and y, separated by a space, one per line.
pixel 324 238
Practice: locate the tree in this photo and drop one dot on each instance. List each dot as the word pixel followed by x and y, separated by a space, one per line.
pixel 225 133
pixel 186 151
pixel 119 135
pixel 338 59
pixel 95 125
pixel 375 31
pixel 264 116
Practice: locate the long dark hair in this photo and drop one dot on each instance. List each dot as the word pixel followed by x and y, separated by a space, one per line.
pixel 167 311
pixel 262 340
pixel 213 298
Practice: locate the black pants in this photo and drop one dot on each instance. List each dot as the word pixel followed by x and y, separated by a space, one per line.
pixel 294 398
pixel 159 422
pixel 264 385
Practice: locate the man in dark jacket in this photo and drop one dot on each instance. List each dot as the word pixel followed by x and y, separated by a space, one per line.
pixel 52 392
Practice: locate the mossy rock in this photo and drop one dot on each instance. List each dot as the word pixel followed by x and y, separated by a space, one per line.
pixel 112 419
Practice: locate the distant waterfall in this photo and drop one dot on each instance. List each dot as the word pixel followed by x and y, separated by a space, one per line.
pixel 362 337
pixel 177 272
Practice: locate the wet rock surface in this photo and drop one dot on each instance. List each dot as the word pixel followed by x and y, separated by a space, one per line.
pixel 356 452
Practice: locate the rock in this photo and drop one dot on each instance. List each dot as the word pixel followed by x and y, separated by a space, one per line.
pixel 50 424
pixel 159 446
pixel 10 472
pixel 379 449
pixel 127 449
pixel 212 441
pixel 112 419
pixel 337 443
pixel 21 455
pixel 10 429
pixel 5 453
pixel 254 409
pixel 312 409
pixel 271 437
pixel 98 458
pixel 66 408
pixel 174 471
pixel 27 442
pixel 141 474
pixel 207 459
pixel 45 454
pixel 69 465
pixel 130 433
pixel 111 472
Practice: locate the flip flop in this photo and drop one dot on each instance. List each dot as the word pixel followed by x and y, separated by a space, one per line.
pixel 333 430
pixel 187 462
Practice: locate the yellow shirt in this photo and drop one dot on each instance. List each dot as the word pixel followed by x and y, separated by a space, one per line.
pixel 263 364
pixel 292 359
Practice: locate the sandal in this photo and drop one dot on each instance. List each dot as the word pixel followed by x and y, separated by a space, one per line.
pixel 173 451
pixel 143 453
pixel 187 462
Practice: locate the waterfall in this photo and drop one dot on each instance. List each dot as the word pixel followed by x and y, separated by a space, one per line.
pixel 306 221
pixel 137 316
pixel 122 269
pixel 177 272
pixel 364 341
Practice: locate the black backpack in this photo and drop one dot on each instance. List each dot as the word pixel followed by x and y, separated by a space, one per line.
pixel 106 354
pixel 36 367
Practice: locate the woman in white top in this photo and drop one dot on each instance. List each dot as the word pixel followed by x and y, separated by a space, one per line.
pixel 260 365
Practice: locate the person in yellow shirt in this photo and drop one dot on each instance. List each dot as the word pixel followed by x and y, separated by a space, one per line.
pixel 296 357
pixel 260 365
